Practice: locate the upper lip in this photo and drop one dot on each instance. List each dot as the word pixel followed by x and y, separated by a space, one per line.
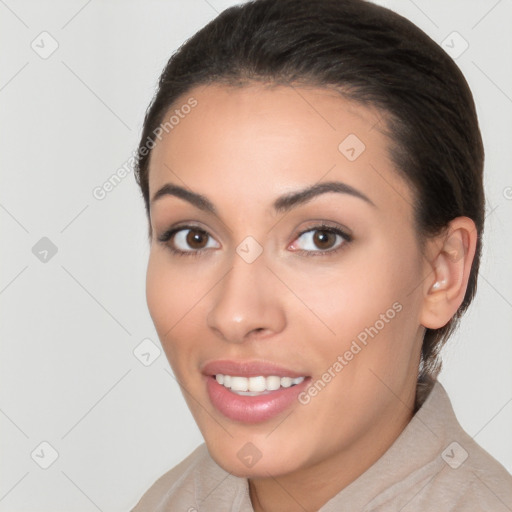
pixel 248 369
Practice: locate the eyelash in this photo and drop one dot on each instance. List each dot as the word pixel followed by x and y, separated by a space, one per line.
pixel 329 229
pixel 167 235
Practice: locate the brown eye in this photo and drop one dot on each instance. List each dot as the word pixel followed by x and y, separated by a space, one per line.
pixel 324 239
pixel 189 240
pixel 321 240
pixel 196 239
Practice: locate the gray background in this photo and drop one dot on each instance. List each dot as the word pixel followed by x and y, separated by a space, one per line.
pixel 70 321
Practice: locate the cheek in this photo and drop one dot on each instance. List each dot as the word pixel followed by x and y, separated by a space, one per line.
pixel 367 297
pixel 171 289
pixel 168 299
pixel 175 296
pixel 159 296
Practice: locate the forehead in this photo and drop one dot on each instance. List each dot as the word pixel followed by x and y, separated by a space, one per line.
pixel 238 141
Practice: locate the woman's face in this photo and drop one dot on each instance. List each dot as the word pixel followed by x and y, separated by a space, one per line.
pixel 274 284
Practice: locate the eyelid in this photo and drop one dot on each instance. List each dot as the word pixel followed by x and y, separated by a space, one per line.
pixel 318 225
pixel 168 233
pixel 334 228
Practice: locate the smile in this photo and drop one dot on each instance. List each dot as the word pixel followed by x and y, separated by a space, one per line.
pixel 252 391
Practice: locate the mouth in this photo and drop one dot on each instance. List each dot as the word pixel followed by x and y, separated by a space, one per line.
pixel 252 392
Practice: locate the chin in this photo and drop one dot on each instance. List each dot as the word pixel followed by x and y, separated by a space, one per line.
pixel 260 469
pixel 255 457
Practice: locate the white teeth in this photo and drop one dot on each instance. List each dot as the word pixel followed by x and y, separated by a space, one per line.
pixel 239 383
pixel 286 382
pixel 257 384
pixel 273 383
pixel 252 386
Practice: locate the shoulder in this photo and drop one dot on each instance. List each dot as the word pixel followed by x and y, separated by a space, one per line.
pixel 178 480
pixel 435 465
pixel 196 483
pixel 478 484
pixel 462 476
pixel 469 479
pixel 481 482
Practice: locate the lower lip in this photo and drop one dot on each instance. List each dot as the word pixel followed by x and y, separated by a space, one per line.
pixel 252 409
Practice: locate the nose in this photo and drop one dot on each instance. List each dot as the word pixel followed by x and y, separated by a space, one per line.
pixel 246 304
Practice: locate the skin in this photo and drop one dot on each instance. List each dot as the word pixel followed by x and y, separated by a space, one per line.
pixel 242 148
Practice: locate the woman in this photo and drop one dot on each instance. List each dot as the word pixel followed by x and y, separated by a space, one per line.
pixel 312 175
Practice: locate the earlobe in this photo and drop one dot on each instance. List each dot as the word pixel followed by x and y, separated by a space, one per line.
pixel 451 257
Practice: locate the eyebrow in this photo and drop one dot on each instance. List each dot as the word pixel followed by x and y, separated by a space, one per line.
pixel 282 204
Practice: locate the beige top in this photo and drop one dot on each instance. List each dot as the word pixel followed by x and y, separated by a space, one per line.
pixel 433 466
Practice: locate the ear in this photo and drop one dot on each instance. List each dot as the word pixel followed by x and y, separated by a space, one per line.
pixel 449 257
